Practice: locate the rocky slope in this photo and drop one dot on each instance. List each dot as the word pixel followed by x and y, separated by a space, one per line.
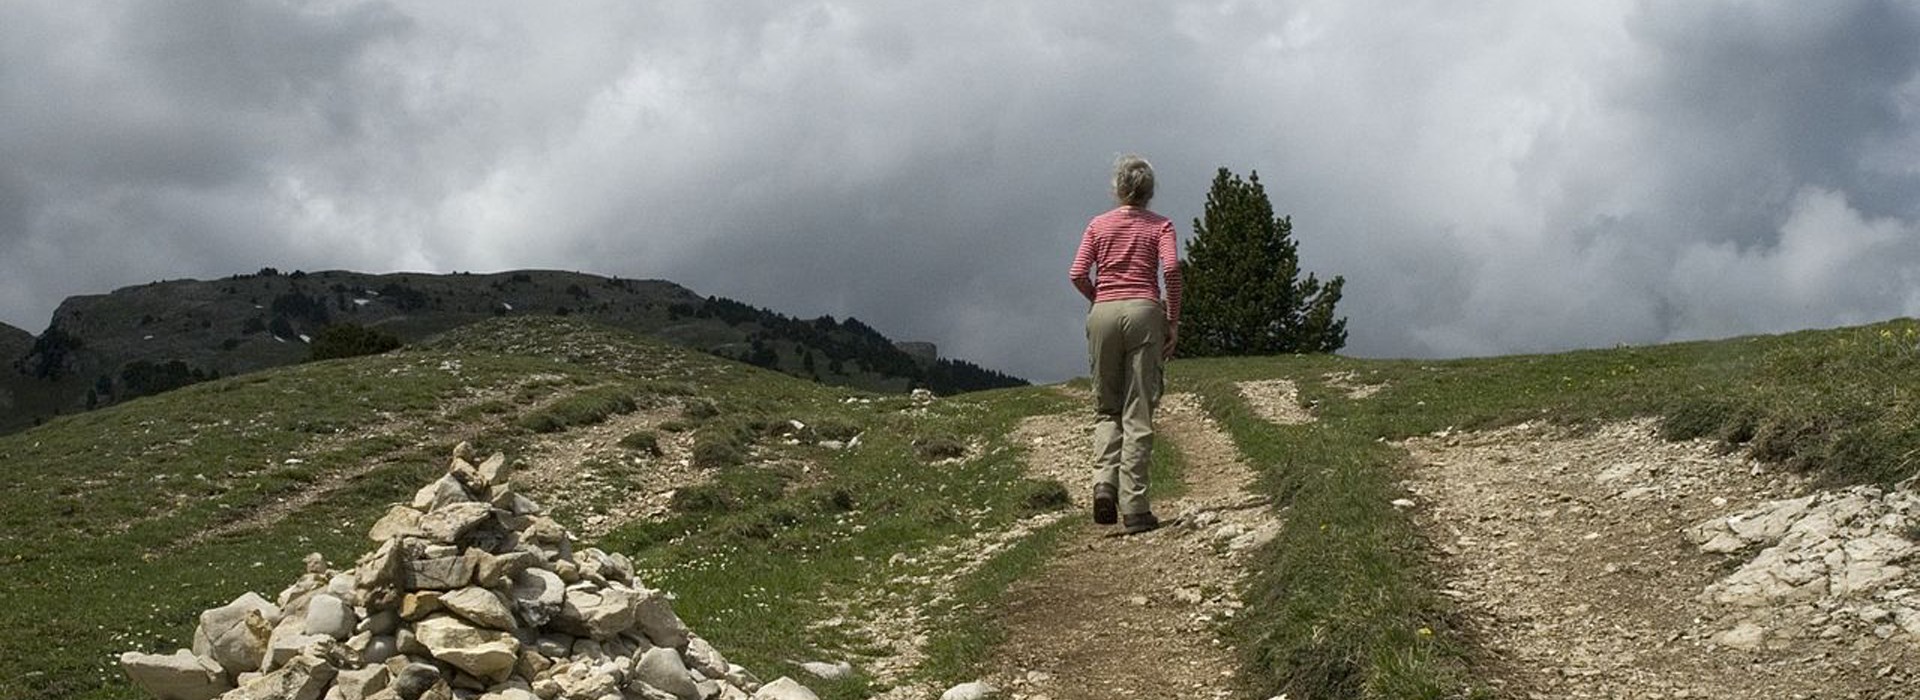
pixel 99 349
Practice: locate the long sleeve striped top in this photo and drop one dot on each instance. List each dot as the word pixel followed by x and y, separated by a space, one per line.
pixel 1123 255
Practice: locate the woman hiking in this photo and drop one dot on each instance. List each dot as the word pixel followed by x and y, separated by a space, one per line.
pixel 1131 331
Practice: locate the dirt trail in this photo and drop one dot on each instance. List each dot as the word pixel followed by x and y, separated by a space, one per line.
pixel 1134 617
pixel 1569 551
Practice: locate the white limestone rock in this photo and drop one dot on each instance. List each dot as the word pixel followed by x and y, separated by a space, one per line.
pixel 304 678
pixel 704 658
pixel 654 615
pixel 380 648
pixel 235 635
pixel 600 614
pixel 359 683
pixel 288 643
pixel 740 676
pixel 381 573
pixel 400 521
pixel 443 491
pixel 447 523
pixel 510 694
pixel 487 654
pixel 328 615
pixel 480 606
pixel 177 676
pixel 784 688
pixel 584 681
pixel 439 573
pixel 495 471
pixel 661 668
pixel 828 671
pixel 972 690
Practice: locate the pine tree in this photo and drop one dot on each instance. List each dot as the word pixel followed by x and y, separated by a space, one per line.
pixel 1244 295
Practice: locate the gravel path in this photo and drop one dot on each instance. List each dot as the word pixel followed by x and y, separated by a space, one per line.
pixel 1135 617
pixel 1570 551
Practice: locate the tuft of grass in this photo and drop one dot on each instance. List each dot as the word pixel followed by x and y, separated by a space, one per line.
pixel 720 446
pixel 833 429
pixel 584 408
pixel 642 441
pixel 1042 495
pixel 937 447
pixel 698 409
pixel 732 491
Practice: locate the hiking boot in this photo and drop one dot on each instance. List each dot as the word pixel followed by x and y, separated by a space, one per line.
pixel 1105 508
pixel 1143 522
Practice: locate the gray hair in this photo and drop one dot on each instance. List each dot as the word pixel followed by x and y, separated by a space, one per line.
pixel 1132 180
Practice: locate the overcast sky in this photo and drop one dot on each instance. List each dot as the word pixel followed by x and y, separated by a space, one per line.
pixel 1491 177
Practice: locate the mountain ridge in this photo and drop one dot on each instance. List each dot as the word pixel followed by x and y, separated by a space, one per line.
pixel 142 339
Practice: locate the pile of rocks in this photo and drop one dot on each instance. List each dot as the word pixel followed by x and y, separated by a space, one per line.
pixel 1827 564
pixel 471 594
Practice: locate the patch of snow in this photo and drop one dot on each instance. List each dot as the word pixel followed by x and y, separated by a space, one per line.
pixel 304 338
pixel 506 306
pixel 362 302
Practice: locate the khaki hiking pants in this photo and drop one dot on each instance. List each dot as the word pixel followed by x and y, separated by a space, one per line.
pixel 1123 342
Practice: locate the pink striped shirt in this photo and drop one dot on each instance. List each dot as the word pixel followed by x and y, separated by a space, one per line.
pixel 1123 255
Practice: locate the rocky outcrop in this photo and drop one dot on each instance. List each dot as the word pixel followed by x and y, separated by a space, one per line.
pixel 471 593
pixel 1821 563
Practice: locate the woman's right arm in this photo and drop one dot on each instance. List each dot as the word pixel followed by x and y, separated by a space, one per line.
pixel 1081 272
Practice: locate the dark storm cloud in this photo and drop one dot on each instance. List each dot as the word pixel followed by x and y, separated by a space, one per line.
pixel 1490 178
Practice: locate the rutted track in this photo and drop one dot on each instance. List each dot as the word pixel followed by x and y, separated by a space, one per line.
pixel 1135 617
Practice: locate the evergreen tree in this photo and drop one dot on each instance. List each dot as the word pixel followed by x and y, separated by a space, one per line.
pixel 1244 295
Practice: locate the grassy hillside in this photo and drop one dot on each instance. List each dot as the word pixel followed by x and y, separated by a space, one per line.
pixel 138 341
pixel 121 524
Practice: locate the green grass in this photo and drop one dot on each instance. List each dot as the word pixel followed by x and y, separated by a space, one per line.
pixel 1340 604
pixel 107 512
pixel 759 552
pixel 642 441
pixel 584 408
pixel 105 547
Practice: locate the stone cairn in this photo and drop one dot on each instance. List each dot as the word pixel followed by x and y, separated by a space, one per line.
pixel 472 594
